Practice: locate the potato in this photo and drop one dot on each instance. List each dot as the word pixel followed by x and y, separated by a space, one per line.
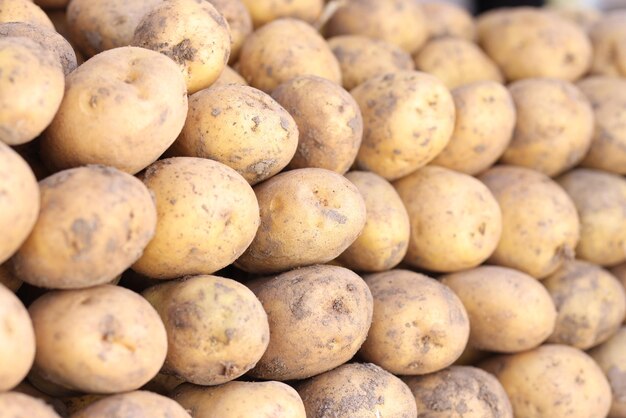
pixel 329 122
pixel 8 277
pixel 540 226
pixel 130 102
pixel 408 118
pixel 241 127
pixel 138 404
pixel 104 339
pixel 384 241
pixel 357 390
pixel 327 309
pixel 308 216
pixel 455 220
pixel 460 392
pixel 207 215
pixel 508 310
pixel 361 58
pixel 528 42
pixel 485 118
pixel 554 125
pixel 448 20
pixel 193 34
pixel 18 405
pixel 611 357
pixel 229 76
pixel 419 325
pixel 265 11
pixel 456 62
pixel 400 22
pixel 240 399
pixel 266 60
pixel 239 23
pixel 607 34
pixel 23 11
pixel 600 200
pixel 552 381
pixel 217 329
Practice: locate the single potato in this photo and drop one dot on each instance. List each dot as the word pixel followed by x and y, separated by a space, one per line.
pixel 448 20
pixel 24 11
pixel 18 405
pixel 611 357
pixel 607 35
pixel 138 404
pixel 265 11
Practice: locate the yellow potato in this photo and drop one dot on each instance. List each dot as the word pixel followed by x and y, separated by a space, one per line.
pixel 18 405
pixel 607 34
pixel 265 11
pixel 23 11
pixel 138 404
pixel 447 19
pixel 611 357
pixel 239 23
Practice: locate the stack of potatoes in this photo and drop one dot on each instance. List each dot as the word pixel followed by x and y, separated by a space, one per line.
pixel 299 208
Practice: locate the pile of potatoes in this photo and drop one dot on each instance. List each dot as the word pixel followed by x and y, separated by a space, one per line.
pixel 300 208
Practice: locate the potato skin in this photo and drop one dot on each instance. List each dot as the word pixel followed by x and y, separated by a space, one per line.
pixel 357 390
pixel 265 11
pixel 402 339
pixel 24 11
pixel 395 141
pixel 448 20
pixel 217 329
pixel 460 392
pixel 611 357
pixel 308 216
pixel 606 35
pixel 239 23
pixel 137 404
pixel 18 405
pixel 328 309
pixel 456 222
pixel 329 122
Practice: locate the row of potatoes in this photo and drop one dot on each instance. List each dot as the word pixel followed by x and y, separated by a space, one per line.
pixel 262 208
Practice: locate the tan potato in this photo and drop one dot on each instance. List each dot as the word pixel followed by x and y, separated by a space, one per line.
pixel 207 215
pixel 8 277
pixel 419 325
pixel 357 390
pixel 24 11
pixel 540 226
pixel 267 60
pixel 456 62
pixel 607 34
pixel 240 399
pixel 552 381
pixel 105 339
pixel 460 392
pixel 611 357
pixel 18 405
pixel 229 76
pixel 265 11
pixel 361 58
pixel 585 16
pixel 396 141
pixel 554 126
pixel 138 404
pixel 485 118
pixel 455 220
pixel 448 20
pixel 308 216
pixel 329 122
pixel 239 23
pixel 241 127
pixel 217 329
pixel 327 309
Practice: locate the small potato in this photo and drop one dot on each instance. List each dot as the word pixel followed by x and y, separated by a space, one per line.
pixel 239 23
pixel 456 62
pixel 485 118
pixel 540 225
pixel 265 11
pixel 241 399
pixel 552 381
pixel 105 339
pixel 419 325
pixel 24 11
pixel 308 216
pixel 600 200
pixel 138 404
pixel 611 357
pixel 455 220
pixel 18 405
pixel 241 127
pixel 329 122
pixel 362 58
pixel 267 60
pixel 357 390
pixel 448 20
pixel 385 238
pixel 591 304
pixel 607 34
pixel 207 215
pixel 217 329
pixel 460 392
pixel 229 76
pixel 508 310
pixel 8 277
pixel 554 126
pixel 408 118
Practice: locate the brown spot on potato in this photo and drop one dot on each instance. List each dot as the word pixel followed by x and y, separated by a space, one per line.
pixel 182 52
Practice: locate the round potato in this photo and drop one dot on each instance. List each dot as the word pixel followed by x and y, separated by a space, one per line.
pixel 329 122
pixel 241 127
pixel 485 119
pixel 18 405
pixel 105 339
pixel 8 277
pixel 308 216
pixel 138 404
pixel 460 392
pixel 445 19
pixel 357 390
pixel 554 126
pixel 408 118
pixel 265 11
pixel 540 225
pixel 229 76
pixel 455 220
pixel 419 325
pixel 217 329
pixel 552 381
pixel 239 23
pixel 207 215
pixel 611 357
pixel 266 60
pixel 24 11
pixel 607 34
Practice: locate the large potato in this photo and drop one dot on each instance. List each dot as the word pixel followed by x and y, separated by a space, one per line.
pixel 265 11
pixel 611 357
pixel 23 11
pixel 18 405
pixel 239 23
pixel 608 35
pixel 448 20
pixel 408 118
pixel 138 404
